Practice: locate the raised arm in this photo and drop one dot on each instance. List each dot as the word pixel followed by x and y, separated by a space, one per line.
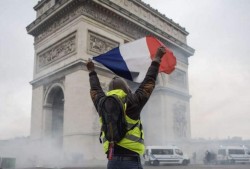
pixel 142 94
pixel 96 92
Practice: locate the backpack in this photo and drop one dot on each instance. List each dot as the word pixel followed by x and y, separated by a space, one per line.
pixel 114 124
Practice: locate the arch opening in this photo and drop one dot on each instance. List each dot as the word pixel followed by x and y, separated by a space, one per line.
pixel 55 117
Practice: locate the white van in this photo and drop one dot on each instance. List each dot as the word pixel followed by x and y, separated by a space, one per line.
pixel 233 154
pixel 7 162
pixel 154 155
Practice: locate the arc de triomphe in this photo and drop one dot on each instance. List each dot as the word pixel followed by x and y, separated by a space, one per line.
pixel 67 33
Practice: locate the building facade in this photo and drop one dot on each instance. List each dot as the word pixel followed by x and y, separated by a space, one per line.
pixel 68 32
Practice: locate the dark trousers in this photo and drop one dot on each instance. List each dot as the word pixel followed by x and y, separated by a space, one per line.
pixel 124 164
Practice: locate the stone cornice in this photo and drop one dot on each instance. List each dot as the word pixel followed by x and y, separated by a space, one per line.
pixel 79 64
pixel 58 73
pixel 184 95
pixel 33 27
pixel 63 13
pixel 40 3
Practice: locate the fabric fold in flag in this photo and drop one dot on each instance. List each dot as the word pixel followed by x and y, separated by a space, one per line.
pixel 132 60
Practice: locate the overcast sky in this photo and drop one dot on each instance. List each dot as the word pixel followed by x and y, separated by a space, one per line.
pixel 219 71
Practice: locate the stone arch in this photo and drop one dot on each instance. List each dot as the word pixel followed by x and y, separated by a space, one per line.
pixel 54 113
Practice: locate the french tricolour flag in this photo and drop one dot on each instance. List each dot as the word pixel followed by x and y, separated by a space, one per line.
pixel 132 60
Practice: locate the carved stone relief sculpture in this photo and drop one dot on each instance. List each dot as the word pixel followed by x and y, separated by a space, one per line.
pixel 180 120
pixel 99 44
pixel 61 49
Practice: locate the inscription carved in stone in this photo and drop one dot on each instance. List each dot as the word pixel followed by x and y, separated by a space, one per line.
pixel 178 77
pixel 99 44
pixel 57 51
pixel 180 120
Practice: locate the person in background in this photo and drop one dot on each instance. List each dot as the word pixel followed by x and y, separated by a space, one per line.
pixel 194 157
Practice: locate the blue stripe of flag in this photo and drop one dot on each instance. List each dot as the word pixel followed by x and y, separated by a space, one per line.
pixel 115 62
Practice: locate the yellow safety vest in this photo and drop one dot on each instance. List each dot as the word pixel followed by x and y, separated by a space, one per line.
pixel 134 139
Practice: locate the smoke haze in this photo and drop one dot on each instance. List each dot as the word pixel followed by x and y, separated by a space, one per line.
pixel 218 71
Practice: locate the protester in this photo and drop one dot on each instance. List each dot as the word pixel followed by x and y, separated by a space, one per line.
pixel 194 157
pixel 127 152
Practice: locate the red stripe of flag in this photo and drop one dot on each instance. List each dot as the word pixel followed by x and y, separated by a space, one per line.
pixel 168 61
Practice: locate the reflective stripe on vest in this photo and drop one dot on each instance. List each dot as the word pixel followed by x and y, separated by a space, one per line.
pixel 134 138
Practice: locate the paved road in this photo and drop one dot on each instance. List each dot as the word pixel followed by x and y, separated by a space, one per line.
pixel 191 166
